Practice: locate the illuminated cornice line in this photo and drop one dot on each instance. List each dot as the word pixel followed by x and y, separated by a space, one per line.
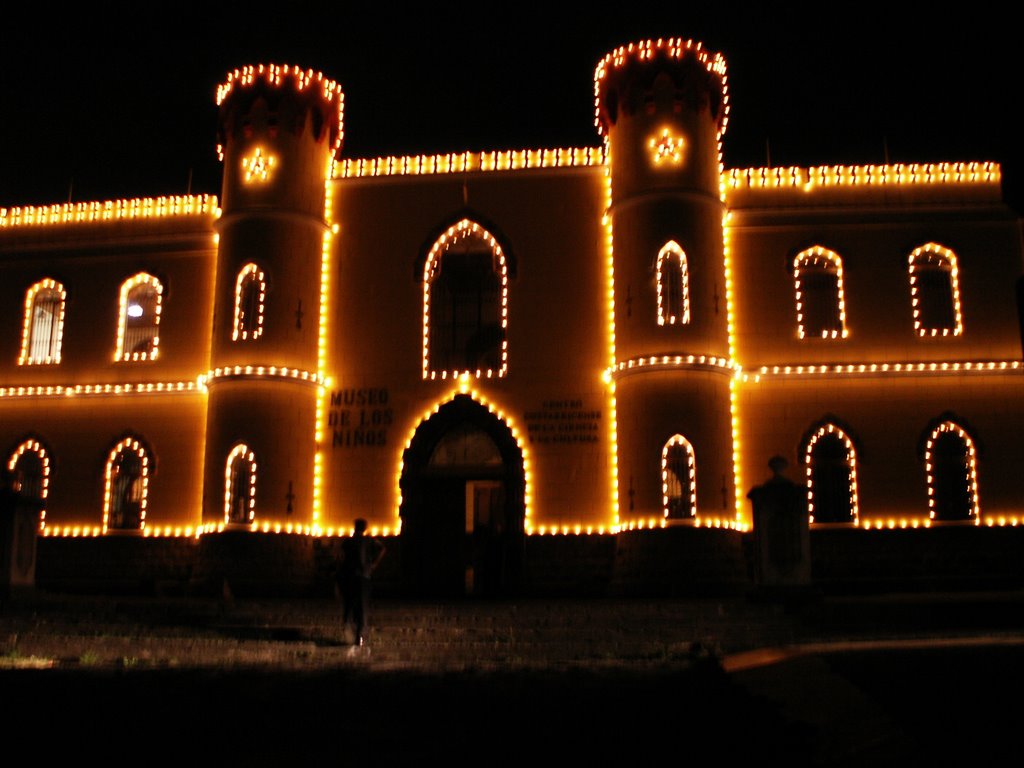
pixel 110 210
pixel 698 362
pixel 261 371
pixel 276 75
pixel 856 175
pixel 465 162
pixel 948 367
pixel 128 388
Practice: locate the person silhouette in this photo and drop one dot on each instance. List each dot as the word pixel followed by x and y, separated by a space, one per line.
pixel 361 554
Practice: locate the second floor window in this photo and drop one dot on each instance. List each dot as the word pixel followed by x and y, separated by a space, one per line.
pixel 250 291
pixel 465 304
pixel 935 291
pixel 138 330
pixel 673 285
pixel 820 299
pixel 44 324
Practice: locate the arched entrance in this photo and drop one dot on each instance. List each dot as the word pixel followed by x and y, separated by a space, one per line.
pixel 463 503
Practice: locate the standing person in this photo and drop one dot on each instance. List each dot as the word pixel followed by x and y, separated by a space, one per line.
pixel 361 555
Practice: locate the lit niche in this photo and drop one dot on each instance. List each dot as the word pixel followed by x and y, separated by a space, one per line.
pixel 666 149
pixel 258 167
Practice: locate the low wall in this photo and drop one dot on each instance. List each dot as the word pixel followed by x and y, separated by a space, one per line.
pixel 679 560
pixel 673 561
pixel 938 557
pixel 115 564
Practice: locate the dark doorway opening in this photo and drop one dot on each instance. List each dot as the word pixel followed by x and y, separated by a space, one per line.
pixel 463 504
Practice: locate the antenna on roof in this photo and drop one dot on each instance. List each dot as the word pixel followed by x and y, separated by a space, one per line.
pixel 768 151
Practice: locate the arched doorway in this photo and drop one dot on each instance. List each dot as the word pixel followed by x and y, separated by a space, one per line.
pixel 463 503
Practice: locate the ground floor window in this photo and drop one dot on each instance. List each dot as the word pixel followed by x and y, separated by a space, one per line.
pixel 240 486
pixel 678 479
pixel 950 463
pixel 127 486
pixel 831 465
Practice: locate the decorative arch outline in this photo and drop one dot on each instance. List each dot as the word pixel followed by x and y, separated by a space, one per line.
pixel 139 488
pixel 829 262
pixel 690 488
pixel 454 234
pixel 250 279
pixel 970 467
pixel 122 354
pixel 673 309
pixel 32 445
pixel 830 428
pixel 936 257
pixel 479 399
pixel 240 452
pixel 33 329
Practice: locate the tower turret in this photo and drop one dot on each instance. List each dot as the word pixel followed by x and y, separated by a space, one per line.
pixel 278 131
pixel 661 106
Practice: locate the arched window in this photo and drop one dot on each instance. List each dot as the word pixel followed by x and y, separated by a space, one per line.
pixel 250 291
pixel 831 464
pixel 44 323
pixel 240 486
pixel 935 291
pixel 127 486
pixel 951 467
pixel 673 285
pixel 30 465
pixel 138 328
pixel 678 479
pixel 820 300
pixel 465 304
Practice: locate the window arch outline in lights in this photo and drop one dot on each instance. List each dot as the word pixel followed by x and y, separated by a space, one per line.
pixel 35 349
pixel 824 262
pixel 250 279
pixel 148 336
pixel 949 426
pixel 432 268
pixel 829 428
pixel 240 452
pixel 134 491
pixel 33 445
pixel 934 257
pixel 671 309
pixel 688 489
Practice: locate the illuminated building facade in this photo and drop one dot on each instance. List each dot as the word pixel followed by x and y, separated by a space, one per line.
pixel 484 350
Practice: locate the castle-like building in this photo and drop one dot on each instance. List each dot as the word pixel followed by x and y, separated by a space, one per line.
pixel 481 349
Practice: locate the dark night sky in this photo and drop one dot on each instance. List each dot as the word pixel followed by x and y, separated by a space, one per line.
pixel 124 105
